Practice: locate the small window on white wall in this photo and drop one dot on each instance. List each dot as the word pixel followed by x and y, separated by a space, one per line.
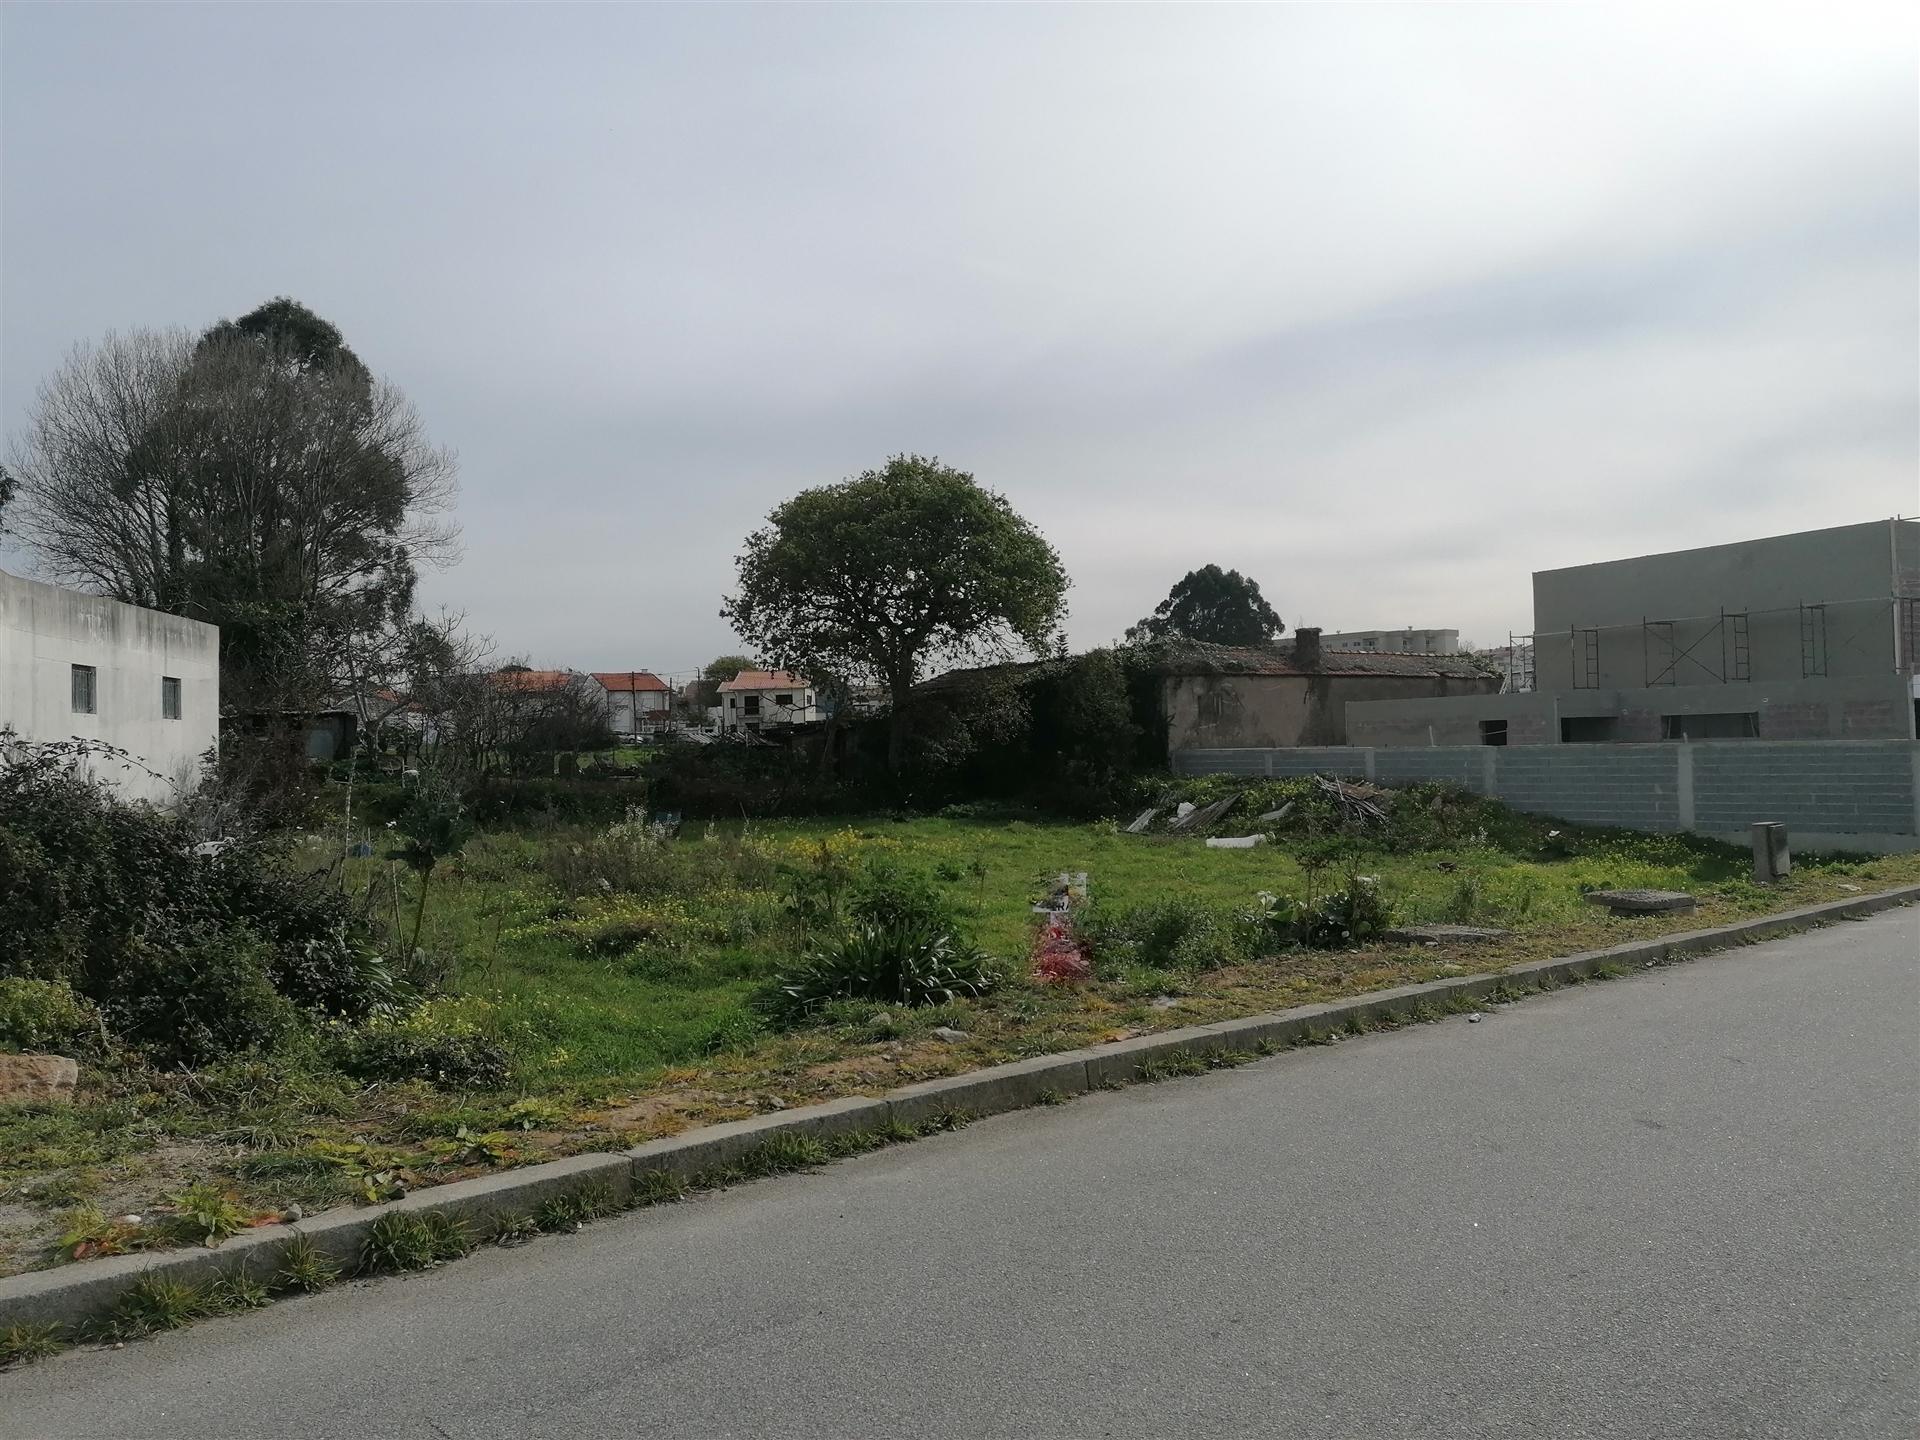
pixel 85 693
pixel 169 698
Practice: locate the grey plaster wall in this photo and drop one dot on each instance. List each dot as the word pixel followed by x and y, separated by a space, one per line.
pixel 1853 569
pixel 45 631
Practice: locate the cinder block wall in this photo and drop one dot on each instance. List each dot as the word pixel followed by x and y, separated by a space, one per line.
pixel 1832 795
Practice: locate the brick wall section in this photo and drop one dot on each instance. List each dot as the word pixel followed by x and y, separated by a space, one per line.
pixel 1865 788
pixel 1636 787
pixel 1833 787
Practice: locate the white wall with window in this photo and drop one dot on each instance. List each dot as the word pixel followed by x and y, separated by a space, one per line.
pixel 764 699
pixel 79 666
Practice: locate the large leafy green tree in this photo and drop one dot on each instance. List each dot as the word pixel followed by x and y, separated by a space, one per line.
pixel 1221 607
pixel 882 576
pixel 256 476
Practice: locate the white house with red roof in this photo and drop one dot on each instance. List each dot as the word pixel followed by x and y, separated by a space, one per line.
pixel 637 700
pixel 763 699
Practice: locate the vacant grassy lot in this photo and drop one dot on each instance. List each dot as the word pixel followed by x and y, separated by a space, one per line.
pixel 626 978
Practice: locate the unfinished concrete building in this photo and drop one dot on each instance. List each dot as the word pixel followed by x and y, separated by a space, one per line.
pixel 1795 637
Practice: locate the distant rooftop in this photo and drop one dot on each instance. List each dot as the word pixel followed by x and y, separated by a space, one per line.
pixel 764 680
pixel 622 682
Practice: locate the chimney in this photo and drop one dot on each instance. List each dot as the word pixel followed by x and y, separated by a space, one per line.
pixel 1306 647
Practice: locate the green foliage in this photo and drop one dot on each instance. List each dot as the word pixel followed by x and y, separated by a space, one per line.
pixel 1336 920
pixel 46 1015
pixel 187 957
pixel 455 1060
pixel 573 1208
pixel 303 1267
pixel 198 999
pixel 434 824
pixel 85 1234
pixel 1178 932
pixel 658 1187
pixel 892 571
pixel 1218 607
pixel 895 966
pixel 157 1302
pixel 782 1153
pixel 888 894
pixel 24 1344
pixel 236 1290
pixel 207 1213
pixel 402 1240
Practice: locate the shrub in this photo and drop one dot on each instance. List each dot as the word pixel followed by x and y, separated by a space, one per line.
pixel 897 966
pixel 1338 919
pixel 197 999
pixel 889 896
pixel 46 1015
pixel 110 899
pixel 1176 933
pixel 1350 916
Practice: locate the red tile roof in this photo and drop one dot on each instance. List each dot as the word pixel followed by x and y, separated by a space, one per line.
pixel 764 680
pixel 532 682
pixel 624 681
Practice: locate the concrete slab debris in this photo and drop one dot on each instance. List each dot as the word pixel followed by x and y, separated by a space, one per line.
pixel 1643 902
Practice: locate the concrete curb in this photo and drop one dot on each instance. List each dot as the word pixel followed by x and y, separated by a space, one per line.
pixel 74 1295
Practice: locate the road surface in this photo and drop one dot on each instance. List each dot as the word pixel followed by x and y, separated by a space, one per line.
pixel 1682 1204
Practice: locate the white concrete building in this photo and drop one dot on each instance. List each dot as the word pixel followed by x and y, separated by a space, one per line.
pixel 762 699
pixel 80 666
pixel 637 700
pixel 1395 642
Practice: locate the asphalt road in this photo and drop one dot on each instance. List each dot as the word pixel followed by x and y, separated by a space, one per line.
pixel 1683 1204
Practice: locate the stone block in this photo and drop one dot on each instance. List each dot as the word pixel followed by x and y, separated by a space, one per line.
pixel 37 1079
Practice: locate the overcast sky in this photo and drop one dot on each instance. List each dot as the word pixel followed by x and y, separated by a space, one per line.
pixel 1386 307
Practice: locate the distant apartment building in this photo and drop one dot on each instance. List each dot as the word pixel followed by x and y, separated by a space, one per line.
pixel 76 666
pixel 1395 642
pixel 1814 635
pixel 757 700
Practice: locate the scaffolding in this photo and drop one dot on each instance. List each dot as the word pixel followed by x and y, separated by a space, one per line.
pixel 1729 627
pixel 1718 648
pixel 1519 658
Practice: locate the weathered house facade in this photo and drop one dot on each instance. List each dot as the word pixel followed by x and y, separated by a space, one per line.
pixel 1221 697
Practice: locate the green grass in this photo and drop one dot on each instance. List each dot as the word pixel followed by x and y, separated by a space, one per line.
pixel 577 1012
pixel 629 1013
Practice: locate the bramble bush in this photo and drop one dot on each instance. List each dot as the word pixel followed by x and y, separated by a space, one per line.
pixel 188 957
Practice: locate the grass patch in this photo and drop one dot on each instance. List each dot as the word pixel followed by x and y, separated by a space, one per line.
pixel 631 1009
pixel 303 1267
pixel 24 1344
pixel 401 1241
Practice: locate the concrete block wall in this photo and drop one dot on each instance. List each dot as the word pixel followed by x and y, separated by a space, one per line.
pixel 1464 765
pixel 1831 794
pixel 1635 787
pixel 1867 786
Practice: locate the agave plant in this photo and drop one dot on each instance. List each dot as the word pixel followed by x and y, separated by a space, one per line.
pixel 896 965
